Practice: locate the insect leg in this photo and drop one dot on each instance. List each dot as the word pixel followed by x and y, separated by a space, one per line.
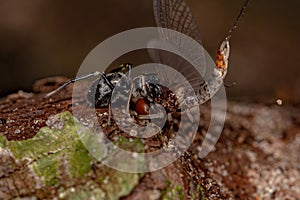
pixel 79 79
pixel 143 84
pixel 129 66
pixel 109 114
pixel 190 116
pixel 151 116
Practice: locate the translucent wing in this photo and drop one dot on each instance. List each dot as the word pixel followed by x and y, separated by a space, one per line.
pixel 176 15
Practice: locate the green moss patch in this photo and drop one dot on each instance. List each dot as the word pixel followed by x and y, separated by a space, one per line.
pixel 57 157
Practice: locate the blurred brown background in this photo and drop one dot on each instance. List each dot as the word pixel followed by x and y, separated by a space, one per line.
pixel 51 37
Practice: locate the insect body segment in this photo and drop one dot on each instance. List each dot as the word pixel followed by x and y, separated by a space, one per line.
pixel 141 107
pixel 176 15
pixel 222 58
pixel 208 89
pixel 141 91
pixel 99 92
pixel 100 89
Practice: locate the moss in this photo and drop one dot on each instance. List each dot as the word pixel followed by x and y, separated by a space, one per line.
pixel 51 147
pixel 197 192
pixel 3 142
pixel 53 152
pixel 88 191
pixel 201 191
pixel 46 168
pixel 133 145
pixel 172 192
pixel 116 183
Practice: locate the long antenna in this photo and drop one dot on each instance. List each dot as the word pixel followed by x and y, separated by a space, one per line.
pixel 238 19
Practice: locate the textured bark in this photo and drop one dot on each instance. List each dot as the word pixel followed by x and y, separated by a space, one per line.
pixel 257 156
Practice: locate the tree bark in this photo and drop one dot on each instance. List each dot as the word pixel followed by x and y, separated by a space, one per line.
pixel 256 157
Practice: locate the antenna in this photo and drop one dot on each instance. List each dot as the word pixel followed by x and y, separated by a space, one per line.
pixel 238 19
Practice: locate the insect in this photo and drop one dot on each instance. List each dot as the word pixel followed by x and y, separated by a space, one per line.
pixel 145 88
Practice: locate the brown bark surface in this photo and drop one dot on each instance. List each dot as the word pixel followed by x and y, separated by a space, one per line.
pixel 257 156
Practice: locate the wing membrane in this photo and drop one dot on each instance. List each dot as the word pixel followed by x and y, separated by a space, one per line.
pixel 176 15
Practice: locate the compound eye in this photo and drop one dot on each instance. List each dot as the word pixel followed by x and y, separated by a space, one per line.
pixel 141 107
